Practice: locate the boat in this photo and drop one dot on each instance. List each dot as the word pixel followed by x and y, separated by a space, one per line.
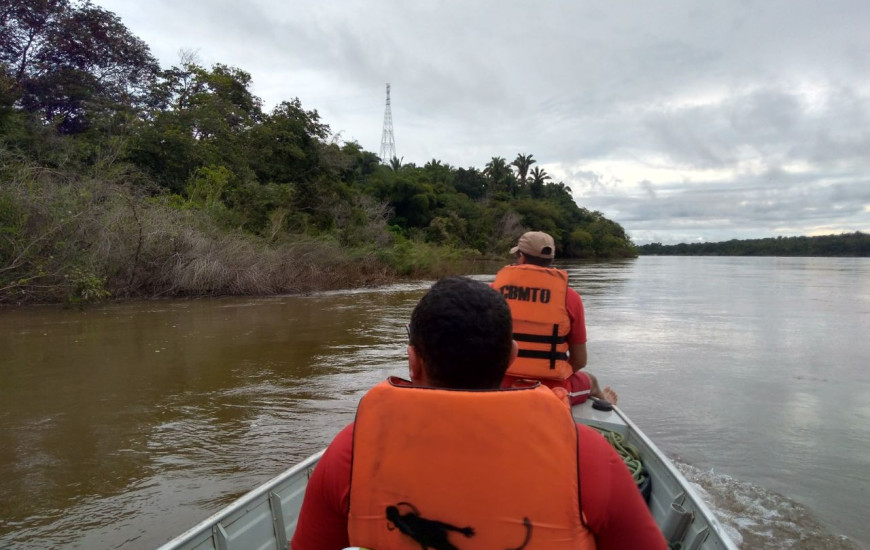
pixel 265 518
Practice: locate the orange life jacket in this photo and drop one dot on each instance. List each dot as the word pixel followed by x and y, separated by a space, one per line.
pixel 536 296
pixel 446 469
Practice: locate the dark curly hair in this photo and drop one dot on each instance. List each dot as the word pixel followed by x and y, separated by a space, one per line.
pixel 462 330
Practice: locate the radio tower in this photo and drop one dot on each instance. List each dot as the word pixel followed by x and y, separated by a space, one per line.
pixel 388 142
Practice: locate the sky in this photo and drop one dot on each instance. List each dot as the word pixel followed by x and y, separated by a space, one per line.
pixel 684 121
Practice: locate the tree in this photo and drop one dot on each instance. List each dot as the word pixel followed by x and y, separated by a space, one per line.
pixel 471 182
pixel 846 244
pixel 287 144
pixel 361 164
pixel 536 185
pixel 499 174
pixel 522 164
pixel 210 102
pixel 73 62
pixel 542 216
pixel 437 173
pixel 411 201
pixel 579 244
pixel 203 117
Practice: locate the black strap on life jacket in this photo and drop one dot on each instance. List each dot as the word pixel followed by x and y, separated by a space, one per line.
pixel 552 355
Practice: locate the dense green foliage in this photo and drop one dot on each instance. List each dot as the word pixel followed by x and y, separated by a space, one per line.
pixel 847 244
pixel 118 177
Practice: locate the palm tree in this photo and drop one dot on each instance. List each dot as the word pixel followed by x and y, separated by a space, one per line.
pixel 396 163
pixel 523 163
pixel 498 172
pixel 536 184
pixel 539 175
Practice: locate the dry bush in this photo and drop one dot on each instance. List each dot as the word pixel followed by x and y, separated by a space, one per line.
pixel 77 237
pixel 363 222
pixel 47 221
pixel 183 253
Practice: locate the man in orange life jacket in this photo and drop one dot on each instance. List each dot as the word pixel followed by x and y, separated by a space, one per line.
pixel 448 460
pixel 548 321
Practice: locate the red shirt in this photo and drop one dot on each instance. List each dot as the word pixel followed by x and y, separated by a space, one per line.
pixel 615 511
pixel 574 305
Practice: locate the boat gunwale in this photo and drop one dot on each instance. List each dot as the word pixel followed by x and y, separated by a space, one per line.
pixel 584 414
pixel 204 528
pixel 709 517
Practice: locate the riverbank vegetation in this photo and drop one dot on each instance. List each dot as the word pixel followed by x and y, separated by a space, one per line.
pixel 846 244
pixel 119 178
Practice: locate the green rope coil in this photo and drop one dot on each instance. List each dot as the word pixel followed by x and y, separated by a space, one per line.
pixel 629 453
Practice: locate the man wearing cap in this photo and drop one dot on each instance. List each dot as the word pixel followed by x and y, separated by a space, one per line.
pixel 549 325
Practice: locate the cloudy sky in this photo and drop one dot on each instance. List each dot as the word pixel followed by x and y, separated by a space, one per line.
pixel 683 120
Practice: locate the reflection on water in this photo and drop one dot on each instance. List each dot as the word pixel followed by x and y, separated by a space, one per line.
pixel 122 425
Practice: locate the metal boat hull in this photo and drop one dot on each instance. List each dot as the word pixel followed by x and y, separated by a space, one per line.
pixel 265 518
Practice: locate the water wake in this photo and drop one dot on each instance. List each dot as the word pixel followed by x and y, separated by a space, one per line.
pixel 761 519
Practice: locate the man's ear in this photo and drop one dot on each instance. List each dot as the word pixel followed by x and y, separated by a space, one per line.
pixel 415 365
pixel 514 350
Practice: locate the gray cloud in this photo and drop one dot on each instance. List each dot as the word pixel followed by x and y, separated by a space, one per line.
pixel 779 205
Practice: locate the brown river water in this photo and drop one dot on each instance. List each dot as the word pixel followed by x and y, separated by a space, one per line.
pixel 124 424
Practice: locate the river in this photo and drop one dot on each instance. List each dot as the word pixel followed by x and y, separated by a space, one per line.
pixel 124 424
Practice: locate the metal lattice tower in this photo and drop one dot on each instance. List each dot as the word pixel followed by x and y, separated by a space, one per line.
pixel 388 141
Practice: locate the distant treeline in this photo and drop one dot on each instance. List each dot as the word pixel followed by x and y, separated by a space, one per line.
pixel 120 178
pixel 847 244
